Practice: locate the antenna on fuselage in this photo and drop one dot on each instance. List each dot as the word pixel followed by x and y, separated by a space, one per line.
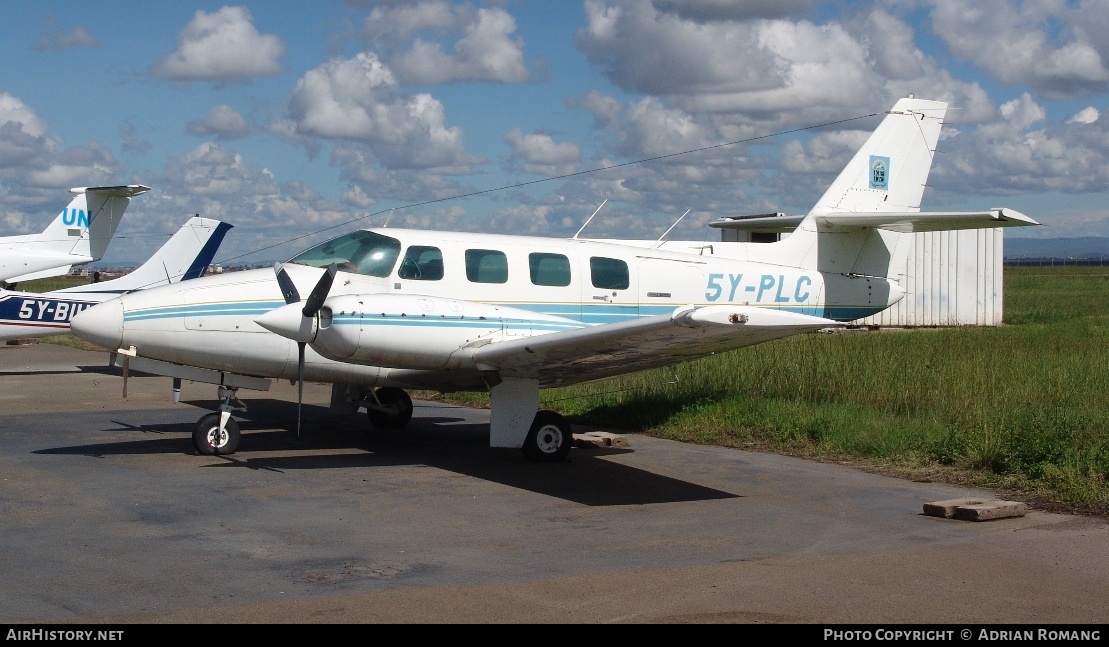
pixel 671 227
pixel 591 217
pixel 388 217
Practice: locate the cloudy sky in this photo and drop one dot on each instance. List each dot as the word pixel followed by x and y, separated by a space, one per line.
pixel 297 121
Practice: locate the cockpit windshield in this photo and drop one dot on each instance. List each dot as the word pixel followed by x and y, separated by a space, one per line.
pixel 362 252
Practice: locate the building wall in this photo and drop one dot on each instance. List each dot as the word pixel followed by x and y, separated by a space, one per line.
pixel 953 278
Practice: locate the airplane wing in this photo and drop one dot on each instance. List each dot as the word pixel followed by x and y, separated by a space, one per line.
pixel 597 352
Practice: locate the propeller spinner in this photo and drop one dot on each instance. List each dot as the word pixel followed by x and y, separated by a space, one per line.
pixel 298 323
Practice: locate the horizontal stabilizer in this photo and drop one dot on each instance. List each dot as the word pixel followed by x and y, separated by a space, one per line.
pixel 925 221
pixel 908 221
pixel 43 274
pixel 124 191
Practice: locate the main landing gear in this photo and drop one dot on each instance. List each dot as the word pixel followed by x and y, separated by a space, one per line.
pixel 548 439
pixel 388 408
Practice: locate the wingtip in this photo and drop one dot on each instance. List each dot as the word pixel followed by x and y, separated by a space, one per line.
pixel 1017 218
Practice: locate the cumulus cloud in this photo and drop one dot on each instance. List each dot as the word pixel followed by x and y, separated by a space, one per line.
pixel 791 72
pixel 273 220
pixel 358 166
pixel 77 37
pixel 1024 152
pixel 1011 40
pixel 223 122
pixel 221 46
pixel 37 169
pixel 20 115
pixel 31 155
pixel 539 154
pixel 484 51
pixel 357 99
pixel 1087 115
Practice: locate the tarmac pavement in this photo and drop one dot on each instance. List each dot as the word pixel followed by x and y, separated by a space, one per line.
pixel 107 515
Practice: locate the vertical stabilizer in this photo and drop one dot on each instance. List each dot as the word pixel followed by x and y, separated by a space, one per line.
pixel 891 169
pixel 887 174
pixel 186 255
pixel 106 206
pixel 79 234
pixel 68 232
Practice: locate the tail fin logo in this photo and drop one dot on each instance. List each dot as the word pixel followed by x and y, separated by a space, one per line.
pixel 879 172
pixel 77 217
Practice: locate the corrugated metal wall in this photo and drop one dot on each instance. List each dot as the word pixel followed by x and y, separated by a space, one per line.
pixel 953 278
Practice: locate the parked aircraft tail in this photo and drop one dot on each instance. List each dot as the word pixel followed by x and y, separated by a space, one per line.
pixel 862 225
pixel 186 255
pixel 80 234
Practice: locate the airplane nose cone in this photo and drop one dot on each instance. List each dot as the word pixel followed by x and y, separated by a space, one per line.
pixel 102 324
pixel 289 322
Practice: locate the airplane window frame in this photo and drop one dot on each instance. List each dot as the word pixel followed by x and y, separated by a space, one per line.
pixel 541 276
pixel 413 269
pixel 616 269
pixel 475 273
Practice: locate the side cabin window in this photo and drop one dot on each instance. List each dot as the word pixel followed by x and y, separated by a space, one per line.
pixel 421 264
pixel 549 269
pixel 363 252
pixel 486 266
pixel 608 273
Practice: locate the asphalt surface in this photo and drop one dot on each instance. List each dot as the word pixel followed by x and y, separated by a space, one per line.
pixel 107 515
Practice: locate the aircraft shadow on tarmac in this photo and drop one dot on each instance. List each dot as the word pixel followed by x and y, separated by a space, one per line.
pixel 112 371
pixel 443 442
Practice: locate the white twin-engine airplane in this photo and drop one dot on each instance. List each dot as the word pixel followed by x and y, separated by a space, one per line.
pixel 185 256
pixel 80 234
pixel 403 309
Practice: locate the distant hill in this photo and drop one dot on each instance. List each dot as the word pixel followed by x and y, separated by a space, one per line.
pixel 1095 247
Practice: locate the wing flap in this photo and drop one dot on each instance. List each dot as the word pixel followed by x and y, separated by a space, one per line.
pixel 596 352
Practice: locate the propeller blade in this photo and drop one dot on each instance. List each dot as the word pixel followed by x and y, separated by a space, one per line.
pixel 300 381
pixel 288 289
pixel 319 293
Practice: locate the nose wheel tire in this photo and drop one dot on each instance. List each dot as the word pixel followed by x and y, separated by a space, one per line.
pixel 210 440
pixel 549 439
pixel 398 405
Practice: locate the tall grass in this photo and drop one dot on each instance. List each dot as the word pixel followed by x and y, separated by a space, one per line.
pixel 1025 404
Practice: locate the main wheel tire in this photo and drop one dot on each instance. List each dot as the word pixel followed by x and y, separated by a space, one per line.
pixel 400 409
pixel 209 440
pixel 549 439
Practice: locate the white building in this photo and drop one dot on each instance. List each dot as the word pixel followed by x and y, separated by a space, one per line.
pixel 951 278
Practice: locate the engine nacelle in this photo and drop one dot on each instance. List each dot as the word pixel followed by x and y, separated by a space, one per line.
pixel 419 332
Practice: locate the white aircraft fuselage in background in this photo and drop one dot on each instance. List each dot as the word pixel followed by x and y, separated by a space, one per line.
pixel 185 256
pixel 512 314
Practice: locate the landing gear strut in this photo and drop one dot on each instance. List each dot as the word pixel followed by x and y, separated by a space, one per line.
pixel 217 434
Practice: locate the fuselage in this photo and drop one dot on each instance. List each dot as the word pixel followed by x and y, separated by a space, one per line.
pixel 421 298
pixel 26 315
